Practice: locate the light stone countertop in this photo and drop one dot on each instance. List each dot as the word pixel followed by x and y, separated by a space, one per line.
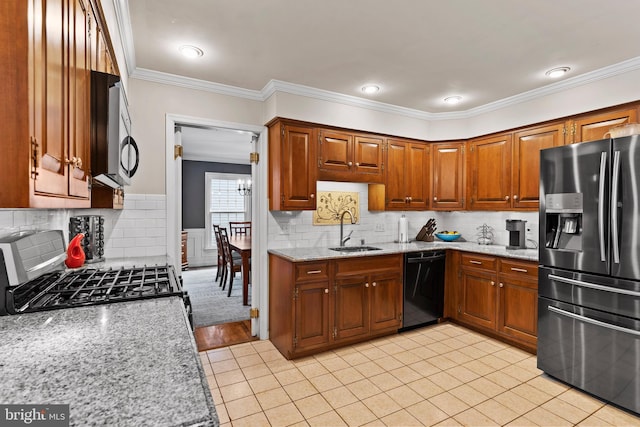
pixel 321 253
pixel 127 364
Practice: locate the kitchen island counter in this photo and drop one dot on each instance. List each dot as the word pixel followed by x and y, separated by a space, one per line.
pixel 320 253
pixel 127 364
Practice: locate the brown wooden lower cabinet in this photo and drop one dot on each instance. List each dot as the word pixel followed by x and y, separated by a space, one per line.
pixel 498 296
pixel 317 305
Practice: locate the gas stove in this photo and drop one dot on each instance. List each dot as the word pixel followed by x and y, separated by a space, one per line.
pixel 90 286
pixel 33 279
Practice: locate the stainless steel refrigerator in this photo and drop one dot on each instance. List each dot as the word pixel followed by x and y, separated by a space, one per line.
pixel 589 278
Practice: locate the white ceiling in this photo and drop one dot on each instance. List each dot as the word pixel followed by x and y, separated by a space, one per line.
pixel 417 51
pixel 216 145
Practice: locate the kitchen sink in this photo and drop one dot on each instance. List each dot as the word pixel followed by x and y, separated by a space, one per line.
pixel 355 248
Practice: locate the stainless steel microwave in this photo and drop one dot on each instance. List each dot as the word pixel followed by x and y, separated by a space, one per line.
pixel 114 152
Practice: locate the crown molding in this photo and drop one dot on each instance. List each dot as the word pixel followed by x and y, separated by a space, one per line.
pixel 583 79
pixel 197 84
pixel 123 19
pixel 324 95
pixel 275 86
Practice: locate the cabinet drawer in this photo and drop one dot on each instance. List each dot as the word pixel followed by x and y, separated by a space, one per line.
pixel 520 268
pixel 312 271
pixel 367 264
pixel 478 261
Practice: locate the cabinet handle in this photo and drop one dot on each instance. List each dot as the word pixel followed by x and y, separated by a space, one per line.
pixel 350 164
pixel 410 199
pixel 435 199
pixel 374 284
pixel 506 198
pixel 357 164
pixel 515 197
pixel 501 285
pixel 326 291
pixel 312 196
pixel 520 270
pixel 493 283
pixel 314 271
pixel 473 261
pixel 366 285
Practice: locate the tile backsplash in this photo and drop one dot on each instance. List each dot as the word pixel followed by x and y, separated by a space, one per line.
pixel 137 230
pixel 295 229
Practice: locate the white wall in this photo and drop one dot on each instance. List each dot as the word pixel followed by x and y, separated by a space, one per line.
pixel 138 230
pixel 296 229
pixel 150 103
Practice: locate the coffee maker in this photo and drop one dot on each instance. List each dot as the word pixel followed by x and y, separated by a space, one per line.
pixel 517 234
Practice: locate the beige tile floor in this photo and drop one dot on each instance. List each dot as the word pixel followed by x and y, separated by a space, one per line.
pixel 442 375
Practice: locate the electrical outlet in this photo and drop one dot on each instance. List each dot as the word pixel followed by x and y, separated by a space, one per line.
pixel 532 231
pixel 284 229
pixel 380 226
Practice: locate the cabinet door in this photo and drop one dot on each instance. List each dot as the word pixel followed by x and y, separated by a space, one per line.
pixel 299 167
pixel 593 128
pixel 490 172
pixel 448 176
pixel 478 298
pixel 50 95
pixel 395 194
pixel 335 154
pixel 368 158
pixel 526 162
pixel 386 301
pixel 518 308
pixel 352 306
pixel 312 327
pixel 417 175
pixel 79 97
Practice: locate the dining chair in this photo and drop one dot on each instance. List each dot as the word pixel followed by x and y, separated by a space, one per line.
pixel 239 228
pixel 233 262
pixel 221 263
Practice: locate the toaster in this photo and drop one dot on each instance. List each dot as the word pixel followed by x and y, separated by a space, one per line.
pixel 30 254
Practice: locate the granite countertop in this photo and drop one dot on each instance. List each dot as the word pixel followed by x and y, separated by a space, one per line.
pixel 320 253
pixel 127 364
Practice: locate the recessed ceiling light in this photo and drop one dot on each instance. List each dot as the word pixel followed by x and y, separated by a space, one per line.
pixel 453 100
pixel 191 51
pixel 557 72
pixel 370 89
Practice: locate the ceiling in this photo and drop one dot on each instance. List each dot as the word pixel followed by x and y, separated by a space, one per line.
pixel 417 51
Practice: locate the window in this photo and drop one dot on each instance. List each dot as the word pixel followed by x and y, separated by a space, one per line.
pixel 223 202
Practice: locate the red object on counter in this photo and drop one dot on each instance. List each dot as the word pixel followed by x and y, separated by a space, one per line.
pixel 75 253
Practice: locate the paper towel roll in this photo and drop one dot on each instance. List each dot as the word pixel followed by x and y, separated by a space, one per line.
pixel 403 230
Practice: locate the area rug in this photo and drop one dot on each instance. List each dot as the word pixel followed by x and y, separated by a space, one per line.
pixel 209 302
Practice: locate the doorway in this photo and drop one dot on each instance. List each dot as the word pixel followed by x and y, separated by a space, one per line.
pixel 257 200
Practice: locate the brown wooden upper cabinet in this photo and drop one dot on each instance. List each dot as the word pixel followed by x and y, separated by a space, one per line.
pixel 47 146
pixel 293 166
pixel 448 178
pixel 593 127
pixel 408 173
pixel 490 172
pixel 504 169
pixel 351 157
pixel 526 162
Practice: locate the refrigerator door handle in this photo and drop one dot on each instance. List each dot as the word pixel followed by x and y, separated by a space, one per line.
pixel 593 285
pixel 592 321
pixel 615 179
pixel 603 165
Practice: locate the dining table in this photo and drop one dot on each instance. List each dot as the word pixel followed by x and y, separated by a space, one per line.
pixel 242 245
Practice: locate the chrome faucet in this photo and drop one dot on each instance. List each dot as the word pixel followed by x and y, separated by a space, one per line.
pixel 344 240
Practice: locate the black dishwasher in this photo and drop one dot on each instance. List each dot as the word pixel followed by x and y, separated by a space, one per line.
pixel 423 288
